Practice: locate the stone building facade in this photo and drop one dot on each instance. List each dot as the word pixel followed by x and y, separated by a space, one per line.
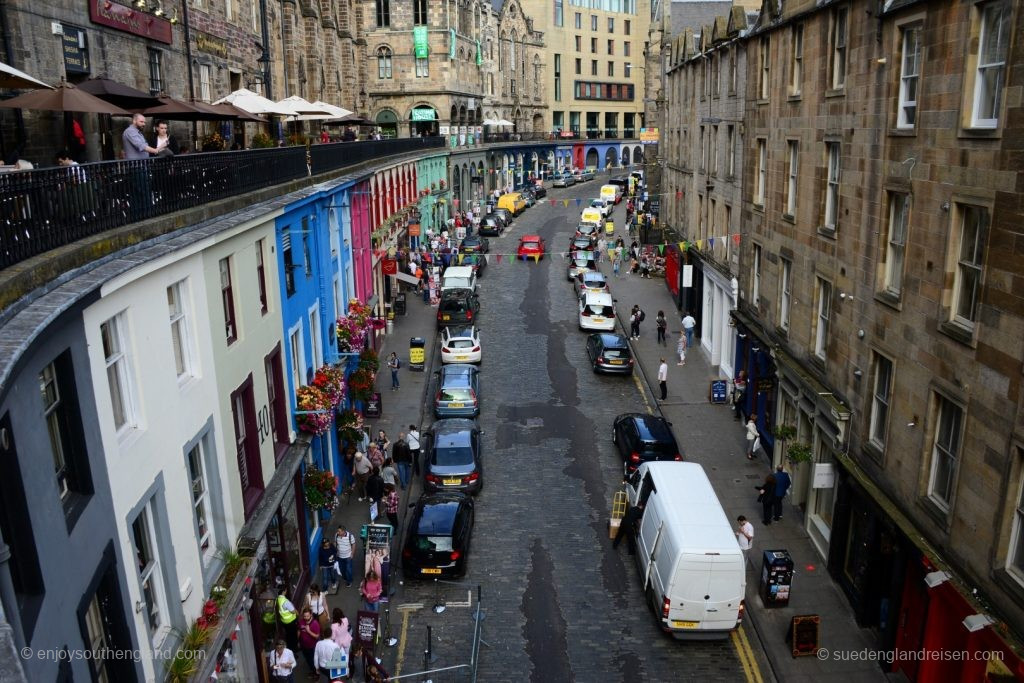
pixel 517 58
pixel 880 310
pixel 702 181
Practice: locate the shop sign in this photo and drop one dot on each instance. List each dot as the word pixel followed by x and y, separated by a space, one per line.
pixel 211 44
pixel 423 115
pixel 824 475
pixel 649 136
pixel 442 130
pixel 420 42
pixel 75 45
pixel 108 13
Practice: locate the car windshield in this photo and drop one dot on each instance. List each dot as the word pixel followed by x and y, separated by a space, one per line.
pixel 529 245
pixel 457 394
pixel 460 344
pixel 659 447
pixel 457 282
pixel 434 543
pixel 580 262
pixel 454 305
pixel 448 457
pixel 616 353
pixel 600 310
pixel 598 203
pixel 586 228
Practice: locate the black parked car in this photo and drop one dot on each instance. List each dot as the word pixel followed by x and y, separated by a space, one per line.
pixel 503 215
pixel 490 226
pixel 457 307
pixel 438 536
pixel 641 437
pixel 610 353
pixel 474 243
pixel 540 191
pixel 453 460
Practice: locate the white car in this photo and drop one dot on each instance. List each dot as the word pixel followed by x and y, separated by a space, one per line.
pixel 597 311
pixel 461 345
pixel 589 280
pixel 602 205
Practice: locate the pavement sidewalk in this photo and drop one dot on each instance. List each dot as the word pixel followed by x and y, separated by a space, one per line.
pixel 709 435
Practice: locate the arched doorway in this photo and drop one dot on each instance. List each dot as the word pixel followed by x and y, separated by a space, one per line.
pixel 593 159
pixel 625 156
pixel 423 121
pixel 638 155
pixel 456 182
pixel 466 189
pixel 387 121
pixel 611 158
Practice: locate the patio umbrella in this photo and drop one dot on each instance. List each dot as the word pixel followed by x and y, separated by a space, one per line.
pixel 355 120
pixel 226 111
pixel 249 101
pixel 117 93
pixel 65 97
pixel 332 112
pixel 503 122
pixel 491 122
pixel 13 78
pixel 300 107
pixel 170 108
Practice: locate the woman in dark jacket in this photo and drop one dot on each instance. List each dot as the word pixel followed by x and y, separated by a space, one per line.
pixel 766 496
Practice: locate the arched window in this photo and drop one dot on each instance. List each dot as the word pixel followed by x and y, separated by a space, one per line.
pixel 512 51
pixel 490 84
pixel 383 62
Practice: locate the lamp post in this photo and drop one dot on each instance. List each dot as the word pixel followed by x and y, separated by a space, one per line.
pixel 264 60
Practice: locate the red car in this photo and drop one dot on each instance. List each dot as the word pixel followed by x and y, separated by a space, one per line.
pixel 530 246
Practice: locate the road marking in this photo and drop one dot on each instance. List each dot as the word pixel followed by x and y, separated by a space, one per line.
pixel 745 654
pixel 643 394
pixel 406 611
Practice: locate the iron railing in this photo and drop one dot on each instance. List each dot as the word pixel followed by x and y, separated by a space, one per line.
pixel 560 135
pixel 44 209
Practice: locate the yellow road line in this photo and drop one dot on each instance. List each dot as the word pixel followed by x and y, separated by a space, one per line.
pixel 643 394
pixel 745 654
pixel 402 640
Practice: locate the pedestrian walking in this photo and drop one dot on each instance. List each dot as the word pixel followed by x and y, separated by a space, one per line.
pixel 753 437
pixel 663 379
pixel 413 439
pixel 370 589
pixel 602 245
pixel 345 542
pixel 282 663
pixel 688 324
pixel 316 602
pixel 645 267
pixel 389 473
pixel 636 317
pixel 327 558
pixel 766 497
pixel 361 469
pixel 391 505
pixel 616 257
pixel 681 348
pixel 402 456
pixel 383 442
pixel 375 486
pixel 739 392
pixel 782 484
pixel 393 365
pixel 627 528
pixel 744 534
pixel 662 324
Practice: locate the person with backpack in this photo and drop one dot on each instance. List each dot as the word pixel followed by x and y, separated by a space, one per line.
pixel 636 317
pixel 393 365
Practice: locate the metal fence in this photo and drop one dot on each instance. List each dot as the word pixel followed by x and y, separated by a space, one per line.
pixel 48 208
pixel 564 136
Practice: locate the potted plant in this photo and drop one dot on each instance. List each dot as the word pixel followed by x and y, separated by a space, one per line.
pixel 799 453
pixel 369 360
pixel 784 433
pixel 331 381
pixel 320 489
pixel 262 141
pixel 316 410
pixel 360 384
pixel 350 426
pixel 213 142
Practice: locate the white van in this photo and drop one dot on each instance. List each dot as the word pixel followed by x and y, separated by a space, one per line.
pixel 690 563
pixel 458 277
pixel 611 193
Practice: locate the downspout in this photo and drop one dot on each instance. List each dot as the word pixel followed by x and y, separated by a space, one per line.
pixel 265 34
pixel 188 61
pixel 9 58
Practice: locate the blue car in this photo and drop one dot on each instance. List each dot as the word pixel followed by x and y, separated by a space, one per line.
pixel 458 391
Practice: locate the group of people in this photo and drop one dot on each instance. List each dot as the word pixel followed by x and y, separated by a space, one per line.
pixel 322 635
pixel 160 142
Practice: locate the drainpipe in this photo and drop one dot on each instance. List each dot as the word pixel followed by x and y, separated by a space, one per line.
pixel 188 60
pixel 9 58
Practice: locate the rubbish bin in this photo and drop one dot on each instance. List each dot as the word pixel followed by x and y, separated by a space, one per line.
pixel 776 578
pixel 417 354
pixel 399 305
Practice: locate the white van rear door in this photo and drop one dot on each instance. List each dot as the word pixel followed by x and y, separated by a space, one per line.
pixel 689 586
pixel 726 589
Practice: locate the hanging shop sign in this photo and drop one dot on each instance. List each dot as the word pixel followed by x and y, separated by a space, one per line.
pixel 75 45
pixel 648 136
pixel 423 115
pixel 211 44
pixel 109 13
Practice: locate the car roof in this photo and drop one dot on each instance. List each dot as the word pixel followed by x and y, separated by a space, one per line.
pixel 530 238
pixel 651 427
pixel 598 298
pixel 457 374
pixel 593 275
pixel 459 271
pixel 612 341
pixel 453 437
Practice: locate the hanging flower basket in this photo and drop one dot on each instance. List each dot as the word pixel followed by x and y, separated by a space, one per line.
pixel 369 360
pixel 331 381
pixel 443 184
pixel 360 384
pixel 320 489
pixel 350 426
pixel 350 329
pixel 317 410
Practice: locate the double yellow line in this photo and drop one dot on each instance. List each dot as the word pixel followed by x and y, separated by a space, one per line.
pixel 746 656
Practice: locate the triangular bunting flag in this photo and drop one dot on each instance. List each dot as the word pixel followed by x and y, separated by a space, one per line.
pixel 498 256
pixel 552 202
pixel 711 242
pixel 682 246
pixel 700 244
pixel 461 256
pixel 736 239
pixel 565 203
pixel 679 194
pixel 456 203
pixel 661 249
pixel 578 201
pixel 536 258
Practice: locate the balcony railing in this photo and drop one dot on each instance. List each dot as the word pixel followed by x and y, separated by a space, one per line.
pixel 560 136
pixel 44 209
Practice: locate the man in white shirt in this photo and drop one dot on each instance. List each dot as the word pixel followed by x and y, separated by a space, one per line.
pixel 328 659
pixel 688 324
pixel 413 439
pixel 345 544
pixel 282 663
pixel 663 379
pixel 744 534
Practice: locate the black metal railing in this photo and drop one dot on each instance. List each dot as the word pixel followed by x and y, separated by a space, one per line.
pixel 333 156
pixel 560 136
pixel 49 208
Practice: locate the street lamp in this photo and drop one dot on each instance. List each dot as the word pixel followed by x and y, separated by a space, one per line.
pixel 264 64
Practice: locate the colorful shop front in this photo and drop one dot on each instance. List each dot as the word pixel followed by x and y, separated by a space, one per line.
pixel 431 179
pixel 468 172
pixel 395 203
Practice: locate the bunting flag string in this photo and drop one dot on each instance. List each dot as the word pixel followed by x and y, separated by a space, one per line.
pixel 565 203
pixel 592 254
pixel 578 201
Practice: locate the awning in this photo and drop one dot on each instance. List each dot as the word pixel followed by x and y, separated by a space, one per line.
pixel 13 78
pixel 284 475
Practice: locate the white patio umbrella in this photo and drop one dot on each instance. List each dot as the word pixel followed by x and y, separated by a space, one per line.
pixel 491 122
pixel 13 78
pixel 503 122
pixel 302 107
pixel 333 112
pixel 253 103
